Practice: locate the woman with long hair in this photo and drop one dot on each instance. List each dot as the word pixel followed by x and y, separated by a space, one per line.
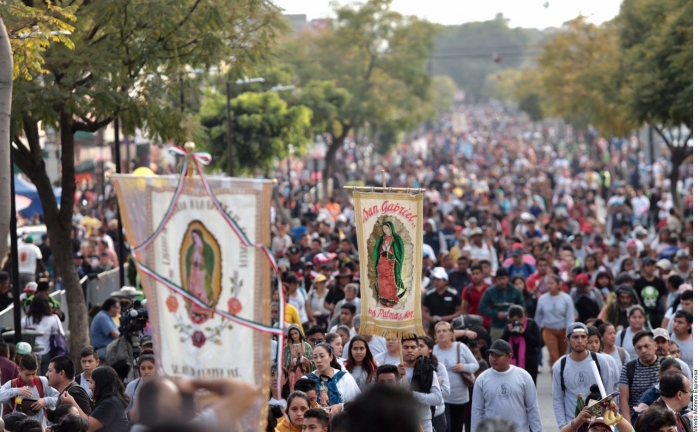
pixel 41 318
pixel 555 311
pixel 361 364
pixel 426 344
pixel 297 404
pixel 274 384
pixel 334 387
pixel 297 355
pixel 608 334
pixel 637 322
pixel 458 360
pixel 110 402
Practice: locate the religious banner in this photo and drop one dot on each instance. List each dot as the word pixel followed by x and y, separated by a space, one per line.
pixel 390 243
pixel 198 248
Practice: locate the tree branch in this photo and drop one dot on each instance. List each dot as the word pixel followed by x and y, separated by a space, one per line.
pixel 91 126
pixel 669 144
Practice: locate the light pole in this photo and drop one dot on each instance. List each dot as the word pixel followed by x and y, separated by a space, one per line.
pixel 229 135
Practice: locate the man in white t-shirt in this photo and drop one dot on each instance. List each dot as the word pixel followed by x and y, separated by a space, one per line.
pixel 29 260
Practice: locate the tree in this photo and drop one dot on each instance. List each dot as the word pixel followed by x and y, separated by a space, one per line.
pixel 378 57
pixel 125 64
pixel 6 68
pixel 442 94
pixel 503 85
pixel 262 127
pixel 579 72
pixel 656 40
pixel 468 52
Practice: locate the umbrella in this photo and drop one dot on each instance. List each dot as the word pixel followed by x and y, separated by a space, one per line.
pixel 22 202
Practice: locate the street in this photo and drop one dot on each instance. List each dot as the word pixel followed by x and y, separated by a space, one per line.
pixel 544 396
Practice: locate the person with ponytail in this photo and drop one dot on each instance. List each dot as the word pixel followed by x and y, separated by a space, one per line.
pixel 334 386
pixel 425 348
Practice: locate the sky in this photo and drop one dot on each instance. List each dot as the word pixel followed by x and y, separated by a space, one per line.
pixel 522 13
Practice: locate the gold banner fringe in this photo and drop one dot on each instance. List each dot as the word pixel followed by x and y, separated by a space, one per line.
pixel 378 330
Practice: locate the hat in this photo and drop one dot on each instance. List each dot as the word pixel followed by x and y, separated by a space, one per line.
pixel 293 250
pixel 147 340
pixel 682 253
pixel 127 291
pixel 476 231
pixel 664 264
pixel 320 258
pixel 600 421
pixel 29 239
pixel 23 348
pixel 648 260
pixel 78 255
pixel 4 278
pixel 320 278
pixel 500 347
pixel 472 219
pixel 517 252
pixel 439 273
pixel 661 332
pixel 582 279
pixel 575 328
pixel 31 287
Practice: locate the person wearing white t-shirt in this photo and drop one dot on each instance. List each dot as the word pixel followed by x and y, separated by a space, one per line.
pixel 41 319
pixel 392 355
pixel 29 260
pixel 505 391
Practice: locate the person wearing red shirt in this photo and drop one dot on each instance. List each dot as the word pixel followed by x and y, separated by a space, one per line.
pixel 472 293
pixel 536 280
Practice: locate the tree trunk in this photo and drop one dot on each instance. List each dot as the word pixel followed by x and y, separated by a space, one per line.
pixel 59 224
pixel 679 154
pixel 336 144
pixel 6 72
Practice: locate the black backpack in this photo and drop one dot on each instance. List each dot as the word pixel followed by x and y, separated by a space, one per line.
pixel 563 364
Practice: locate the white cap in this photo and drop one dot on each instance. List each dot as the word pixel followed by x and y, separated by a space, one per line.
pixel 439 273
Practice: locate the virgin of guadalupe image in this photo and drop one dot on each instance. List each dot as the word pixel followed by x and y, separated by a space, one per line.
pixel 199 267
pixel 388 256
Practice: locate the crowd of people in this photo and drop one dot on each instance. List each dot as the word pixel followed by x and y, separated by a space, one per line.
pixel 528 243
pixel 540 255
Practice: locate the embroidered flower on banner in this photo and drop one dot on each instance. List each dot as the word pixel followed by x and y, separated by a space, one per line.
pixel 171 303
pixel 198 339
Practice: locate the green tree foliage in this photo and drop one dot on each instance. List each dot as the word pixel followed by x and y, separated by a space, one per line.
pixel 466 52
pixel 378 57
pixel 442 90
pixel 262 127
pixel 656 40
pixel 32 29
pixel 502 85
pixel 126 63
pixel 579 70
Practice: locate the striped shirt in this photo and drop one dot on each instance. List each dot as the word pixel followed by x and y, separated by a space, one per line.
pixel 644 378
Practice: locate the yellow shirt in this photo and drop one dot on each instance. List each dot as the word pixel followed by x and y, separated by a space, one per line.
pixel 291 316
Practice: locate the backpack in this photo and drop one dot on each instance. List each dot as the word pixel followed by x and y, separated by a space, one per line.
pixel 631 366
pixel 36 382
pixel 563 364
pixel 58 346
pixel 120 355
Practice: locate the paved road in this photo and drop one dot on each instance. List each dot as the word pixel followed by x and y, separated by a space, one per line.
pixel 544 397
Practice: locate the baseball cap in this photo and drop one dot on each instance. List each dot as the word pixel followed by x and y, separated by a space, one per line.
pixel 439 273
pixel 4 278
pixel 661 332
pixel 500 347
pixel 476 231
pixel 472 219
pixel 664 264
pixel 576 328
pixel 600 421
pixel 648 260
pixel 29 239
pixel 582 279
pixel 291 250
pixel 320 278
pixel 147 340
pixel 517 252
pixel 682 253
pixel 23 348
pixel 30 287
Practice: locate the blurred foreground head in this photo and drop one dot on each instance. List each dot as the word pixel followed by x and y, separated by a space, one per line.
pixel 383 409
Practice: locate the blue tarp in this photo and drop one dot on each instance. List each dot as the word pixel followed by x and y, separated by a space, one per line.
pixel 27 189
